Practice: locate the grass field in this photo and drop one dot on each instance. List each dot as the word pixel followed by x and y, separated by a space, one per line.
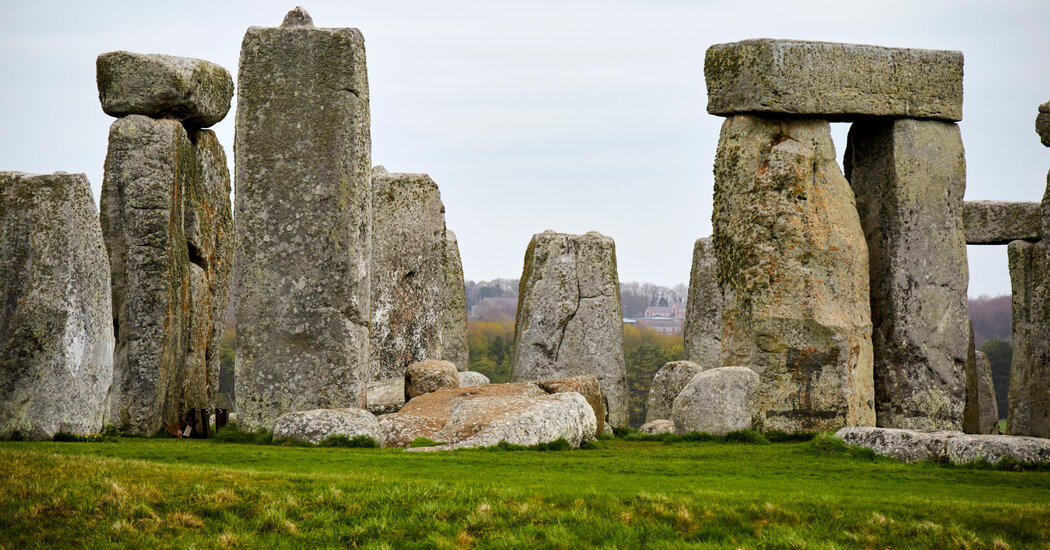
pixel 162 493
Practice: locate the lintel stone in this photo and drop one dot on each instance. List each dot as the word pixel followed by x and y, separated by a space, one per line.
pixel 1000 222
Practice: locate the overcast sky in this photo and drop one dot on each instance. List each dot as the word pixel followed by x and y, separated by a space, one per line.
pixel 572 116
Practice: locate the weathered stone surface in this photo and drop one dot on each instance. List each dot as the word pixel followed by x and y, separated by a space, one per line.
pixel 793 268
pixel 587 386
pixel 56 331
pixel 1000 222
pixel 662 426
pixel 304 219
pixel 429 376
pixel 386 396
pixel 832 81
pixel 427 414
pixel 471 378
pixel 408 272
pixel 518 420
pixel 717 401
pixel 669 381
pixel 981 413
pixel 1028 412
pixel 909 177
pixel 317 425
pixel 149 166
pixel 703 318
pixel 947 446
pixel 569 321
pixel 194 91
pixel 1042 123
pixel 454 346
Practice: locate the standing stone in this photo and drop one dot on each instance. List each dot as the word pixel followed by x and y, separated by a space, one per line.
pixel 56 334
pixel 667 384
pixel 793 268
pixel 703 317
pixel 909 177
pixel 149 166
pixel 1028 412
pixel 981 413
pixel 304 212
pixel 569 321
pixel 408 272
pixel 454 346
pixel 716 401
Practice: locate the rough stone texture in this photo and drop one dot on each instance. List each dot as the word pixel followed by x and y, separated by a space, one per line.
pixel 429 376
pixel 427 414
pixel 832 81
pixel 454 346
pixel 408 272
pixel 661 426
pixel 569 321
pixel 1028 412
pixel 667 384
pixel 909 177
pixel 317 425
pixel 304 213
pixel 471 378
pixel 793 268
pixel 149 166
pixel 947 446
pixel 194 91
pixel 587 386
pixel 703 318
pixel 386 396
pixel 981 413
pixel 1042 123
pixel 717 401
pixel 1000 222
pixel 56 331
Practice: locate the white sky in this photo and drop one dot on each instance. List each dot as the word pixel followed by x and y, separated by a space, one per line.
pixel 571 116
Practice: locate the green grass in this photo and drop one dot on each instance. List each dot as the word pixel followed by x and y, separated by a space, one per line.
pixel 160 493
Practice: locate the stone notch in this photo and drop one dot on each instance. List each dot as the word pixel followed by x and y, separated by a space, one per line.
pixel 909 177
pixel 304 222
pixel 1001 222
pixel 793 268
pixel 408 272
pixel 56 334
pixel 569 322
pixel 195 91
pixel 832 81
pixel 703 318
pixel 298 18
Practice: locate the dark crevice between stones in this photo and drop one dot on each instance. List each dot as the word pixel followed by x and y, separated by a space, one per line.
pixel 195 255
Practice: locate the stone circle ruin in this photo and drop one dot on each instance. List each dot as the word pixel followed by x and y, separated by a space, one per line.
pixel 827 298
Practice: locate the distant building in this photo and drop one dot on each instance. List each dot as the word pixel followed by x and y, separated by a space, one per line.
pixel 662 325
pixel 673 311
pixel 494 309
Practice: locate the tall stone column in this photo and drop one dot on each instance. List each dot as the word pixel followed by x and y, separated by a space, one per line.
pixel 793 268
pixel 1028 412
pixel 303 211
pixel 909 177
pixel 703 318
pixel 454 345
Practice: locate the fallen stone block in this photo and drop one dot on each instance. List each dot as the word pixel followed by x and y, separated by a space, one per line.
pixel 471 378
pixel 587 386
pixel 317 425
pixel 832 81
pixel 717 401
pixel 519 420
pixel 429 376
pixel 1001 222
pixel 385 396
pixel 947 446
pixel 661 426
pixel 669 381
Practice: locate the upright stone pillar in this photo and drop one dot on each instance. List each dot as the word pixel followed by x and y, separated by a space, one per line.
pixel 569 321
pixel 703 317
pixel 909 177
pixel 454 345
pixel 56 334
pixel 408 272
pixel 304 212
pixel 1028 412
pixel 793 267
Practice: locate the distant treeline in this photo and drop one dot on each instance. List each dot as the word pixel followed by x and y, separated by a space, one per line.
pixel 634 298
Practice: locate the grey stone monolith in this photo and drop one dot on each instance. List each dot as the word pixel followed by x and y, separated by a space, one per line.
pixel 909 177
pixel 569 321
pixel 1028 412
pixel 667 384
pixel 454 345
pixel 981 413
pixel 56 332
pixel 408 272
pixel 832 81
pixel 304 215
pixel 703 317
pixel 793 268
pixel 717 401
pixel 1001 222
pixel 195 91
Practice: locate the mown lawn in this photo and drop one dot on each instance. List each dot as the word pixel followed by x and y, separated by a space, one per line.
pixel 162 493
